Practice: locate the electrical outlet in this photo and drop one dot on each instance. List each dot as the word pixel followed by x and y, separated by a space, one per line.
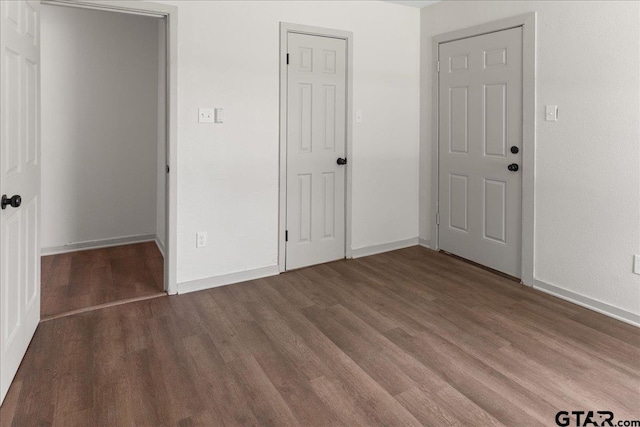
pixel 201 239
pixel 636 264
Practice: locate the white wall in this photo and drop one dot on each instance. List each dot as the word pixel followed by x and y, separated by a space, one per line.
pixel 587 224
pixel 161 195
pixel 228 174
pixel 99 125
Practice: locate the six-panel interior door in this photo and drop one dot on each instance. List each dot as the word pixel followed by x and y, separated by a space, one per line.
pixel 480 137
pixel 316 108
pixel 19 175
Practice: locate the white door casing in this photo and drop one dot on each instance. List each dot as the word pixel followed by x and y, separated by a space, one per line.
pixel 316 138
pixel 19 175
pixel 480 120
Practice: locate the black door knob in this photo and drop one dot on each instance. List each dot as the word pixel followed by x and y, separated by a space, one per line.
pixel 14 201
pixel 515 150
pixel 513 167
pixel 342 161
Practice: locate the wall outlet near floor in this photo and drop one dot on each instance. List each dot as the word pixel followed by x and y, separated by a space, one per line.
pixel 201 239
pixel 636 264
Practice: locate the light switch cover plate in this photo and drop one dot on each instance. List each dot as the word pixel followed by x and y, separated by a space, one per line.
pixel 219 115
pixel 206 115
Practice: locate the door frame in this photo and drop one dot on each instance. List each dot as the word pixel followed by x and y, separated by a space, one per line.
pixel 285 29
pixel 528 24
pixel 170 15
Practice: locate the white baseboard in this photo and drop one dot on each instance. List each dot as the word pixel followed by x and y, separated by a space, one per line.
pixel 159 244
pixel 227 279
pixel 426 243
pixel 97 244
pixel 590 303
pixel 386 247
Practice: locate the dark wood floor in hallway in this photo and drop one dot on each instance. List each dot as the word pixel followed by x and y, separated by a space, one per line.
pixel 404 338
pixel 83 279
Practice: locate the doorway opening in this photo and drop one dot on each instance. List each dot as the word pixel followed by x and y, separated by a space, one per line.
pixel 104 147
pixel 20 175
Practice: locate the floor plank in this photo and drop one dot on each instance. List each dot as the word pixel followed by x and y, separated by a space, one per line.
pixel 410 337
pixel 83 279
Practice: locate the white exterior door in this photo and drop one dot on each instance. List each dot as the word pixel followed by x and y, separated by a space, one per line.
pixel 480 147
pixel 316 133
pixel 19 175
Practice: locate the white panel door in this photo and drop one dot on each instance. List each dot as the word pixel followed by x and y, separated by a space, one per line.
pixel 316 108
pixel 19 175
pixel 480 146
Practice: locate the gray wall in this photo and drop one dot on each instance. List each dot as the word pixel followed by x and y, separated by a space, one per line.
pixel 99 125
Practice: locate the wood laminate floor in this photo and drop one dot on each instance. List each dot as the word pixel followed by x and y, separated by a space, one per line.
pixel 405 338
pixel 83 279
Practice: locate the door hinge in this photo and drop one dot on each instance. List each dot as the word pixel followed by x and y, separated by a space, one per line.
pixel 438 66
pixel 437 219
pixel 287 59
pixel 167 168
pixel 286 236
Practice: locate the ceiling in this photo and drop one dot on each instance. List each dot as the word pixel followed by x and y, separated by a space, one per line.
pixel 414 3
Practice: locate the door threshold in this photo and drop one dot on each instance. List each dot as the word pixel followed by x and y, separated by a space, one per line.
pixel 101 306
pixel 484 267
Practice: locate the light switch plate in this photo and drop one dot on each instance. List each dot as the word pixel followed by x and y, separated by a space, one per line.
pixel 359 116
pixel 551 113
pixel 219 115
pixel 205 115
pixel 636 264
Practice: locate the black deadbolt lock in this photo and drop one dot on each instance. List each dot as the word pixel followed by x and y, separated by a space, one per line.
pixel 515 149
pixel 14 202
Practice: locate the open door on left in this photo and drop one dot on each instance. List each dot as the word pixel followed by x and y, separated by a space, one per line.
pixel 20 177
